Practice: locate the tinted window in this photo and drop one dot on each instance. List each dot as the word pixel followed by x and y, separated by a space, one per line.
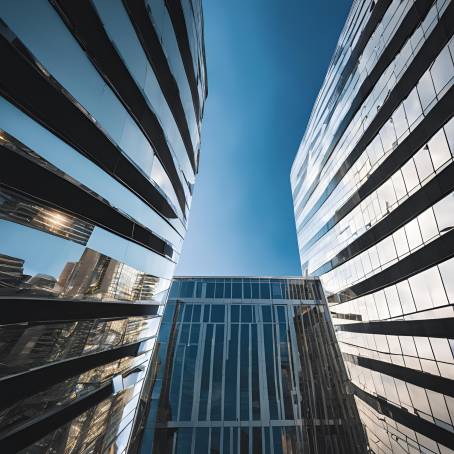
pixel 246 314
pixel 219 290
pixel 235 313
pixel 210 290
pixel 217 313
pixel 236 290
pixel 265 290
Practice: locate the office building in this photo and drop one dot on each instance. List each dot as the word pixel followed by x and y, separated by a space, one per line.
pixel 100 113
pixel 372 185
pixel 248 365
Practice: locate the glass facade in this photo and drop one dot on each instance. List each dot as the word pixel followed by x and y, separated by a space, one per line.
pixel 101 104
pixel 249 365
pixel 373 192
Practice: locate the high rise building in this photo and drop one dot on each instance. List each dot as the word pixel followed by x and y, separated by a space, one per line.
pixel 373 186
pixel 100 113
pixel 248 365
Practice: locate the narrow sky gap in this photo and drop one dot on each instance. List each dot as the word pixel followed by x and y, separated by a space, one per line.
pixel 266 63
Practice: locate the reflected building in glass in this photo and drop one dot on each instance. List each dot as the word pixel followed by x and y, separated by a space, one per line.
pixel 373 184
pixel 248 365
pixel 100 113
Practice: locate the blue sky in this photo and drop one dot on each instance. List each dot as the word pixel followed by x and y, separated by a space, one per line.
pixel 266 62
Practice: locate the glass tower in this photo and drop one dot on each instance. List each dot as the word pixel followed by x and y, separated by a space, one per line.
pixel 372 185
pixel 100 112
pixel 249 365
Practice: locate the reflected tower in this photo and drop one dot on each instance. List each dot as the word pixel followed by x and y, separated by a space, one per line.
pixel 100 114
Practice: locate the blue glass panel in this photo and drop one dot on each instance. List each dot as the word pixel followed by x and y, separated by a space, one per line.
pixel 237 290
pixel 265 293
pixel 210 290
pixel 205 379
pixel 235 313
pixel 266 444
pixel 174 395
pixel 244 373
pixel 196 313
pixel 217 313
pixel 174 289
pixel 255 290
pixel 218 360
pixel 276 291
pixel 187 313
pixel 231 367
pixel 247 290
pixel 277 440
pixel 246 313
pixel 206 313
pixel 219 290
pixel 187 390
pixel 281 313
pixel 184 336
pixel 270 377
pixel 198 290
pixel 255 374
pixel 215 440
pixel 257 439
pixel 228 289
pixel 244 440
pixel 226 441
pixel 195 331
pixel 266 313
pixel 202 439
pixel 187 289
pixel 184 440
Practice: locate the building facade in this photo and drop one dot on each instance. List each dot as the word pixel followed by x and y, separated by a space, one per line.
pixel 100 113
pixel 372 185
pixel 249 365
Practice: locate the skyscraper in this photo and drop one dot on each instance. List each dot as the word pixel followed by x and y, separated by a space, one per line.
pixel 248 365
pixel 372 186
pixel 100 113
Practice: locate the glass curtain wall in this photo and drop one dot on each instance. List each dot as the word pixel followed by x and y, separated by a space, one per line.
pixel 373 197
pixel 249 365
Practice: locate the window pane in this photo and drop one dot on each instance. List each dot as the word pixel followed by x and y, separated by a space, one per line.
pixel 444 213
pixel 235 313
pixel 447 273
pixel 236 290
pixel 217 313
pixel 442 70
pixel 439 150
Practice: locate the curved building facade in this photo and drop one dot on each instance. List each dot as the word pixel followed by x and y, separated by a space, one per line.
pixel 100 114
pixel 373 184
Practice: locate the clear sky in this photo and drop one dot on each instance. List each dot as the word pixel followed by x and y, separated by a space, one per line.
pixel 266 62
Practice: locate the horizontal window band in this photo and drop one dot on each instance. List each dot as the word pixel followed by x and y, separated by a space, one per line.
pixel 20 386
pixel 431 327
pixel 352 62
pixel 435 252
pixel 85 24
pixel 25 85
pixel 435 383
pixel 181 33
pixel 151 45
pixel 20 437
pixel 33 310
pixel 427 53
pixel 402 416
pixel 437 188
pixel 438 116
pixel 22 174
